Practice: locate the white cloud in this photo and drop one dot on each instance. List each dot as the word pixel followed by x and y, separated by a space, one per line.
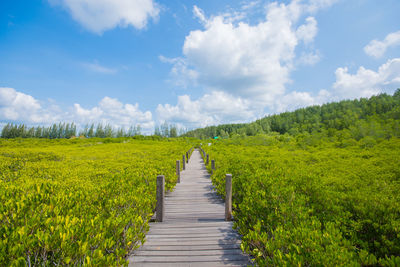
pixel 243 65
pixel 112 111
pixel 199 13
pixel 101 15
pixel 210 109
pixel 378 48
pixel 309 58
pixel 365 82
pixel 252 62
pixel 307 31
pixel 19 107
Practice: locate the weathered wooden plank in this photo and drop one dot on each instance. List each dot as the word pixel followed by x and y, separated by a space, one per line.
pixel 192 264
pixel 193 238
pixel 195 214
pixel 194 242
pixel 195 211
pixel 190 231
pixel 192 219
pixel 191 198
pixel 198 213
pixel 203 258
pixel 219 252
pixel 166 225
pixel 203 237
pixel 190 247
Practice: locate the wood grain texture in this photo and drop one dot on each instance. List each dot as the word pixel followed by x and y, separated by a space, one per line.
pixel 194 231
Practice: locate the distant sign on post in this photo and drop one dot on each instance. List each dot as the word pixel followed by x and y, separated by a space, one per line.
pixel 216 137
pixel 209 144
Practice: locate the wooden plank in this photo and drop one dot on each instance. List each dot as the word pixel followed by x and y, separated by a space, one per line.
pixel 194 242
pixel 190 231
pixel 190 247
pixel 192 264
pixel 179 225
pixel 205 258
pixel 198 238
pixel 194 214
pixel 236 251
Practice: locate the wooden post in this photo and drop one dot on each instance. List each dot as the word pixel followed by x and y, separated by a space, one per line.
pixel 178 171
pixel 183 162
pixel 208 159
pixel 187 157
pixel 228 197
pixel 212 164
pixel 160 198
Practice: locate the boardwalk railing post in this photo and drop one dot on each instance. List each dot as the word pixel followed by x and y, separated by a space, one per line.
pixel 183 162
pixel 160 198
pixel 208 159
pixel 187 157
pixel 178 171
pixel 228 197
pixel 212 166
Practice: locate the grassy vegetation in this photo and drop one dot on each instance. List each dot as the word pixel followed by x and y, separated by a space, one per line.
pixel 314 201
pixel 75 202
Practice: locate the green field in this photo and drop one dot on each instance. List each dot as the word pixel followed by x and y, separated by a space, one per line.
pixel 323 204
pixel 75 202
pixel 304 200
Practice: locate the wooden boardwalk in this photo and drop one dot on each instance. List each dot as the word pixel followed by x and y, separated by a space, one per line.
pixel 194 231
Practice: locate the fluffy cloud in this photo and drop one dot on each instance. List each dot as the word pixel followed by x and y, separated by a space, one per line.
pixel 241 59
pixel 112 111
pixel 20 107
pixel 210 109
pixel 101 15
pixel 367 82
pixel 244 65
pixel 378 48
pixel 250 61
pixel 307 31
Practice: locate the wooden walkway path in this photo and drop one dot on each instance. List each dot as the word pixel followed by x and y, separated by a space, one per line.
pixel 194 231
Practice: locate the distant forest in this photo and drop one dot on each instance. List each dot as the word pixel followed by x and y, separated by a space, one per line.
pixel 377 116
pixel 69 130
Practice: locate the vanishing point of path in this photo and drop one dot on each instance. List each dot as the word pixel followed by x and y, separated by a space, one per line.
pixel 194 231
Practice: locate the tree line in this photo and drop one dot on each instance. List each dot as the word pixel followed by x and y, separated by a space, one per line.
pixel 67 130
pixel 377 116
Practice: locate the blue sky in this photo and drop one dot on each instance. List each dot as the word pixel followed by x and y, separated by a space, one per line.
pixel 190 63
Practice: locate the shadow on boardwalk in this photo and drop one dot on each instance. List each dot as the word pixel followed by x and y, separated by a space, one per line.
pixel 194 231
